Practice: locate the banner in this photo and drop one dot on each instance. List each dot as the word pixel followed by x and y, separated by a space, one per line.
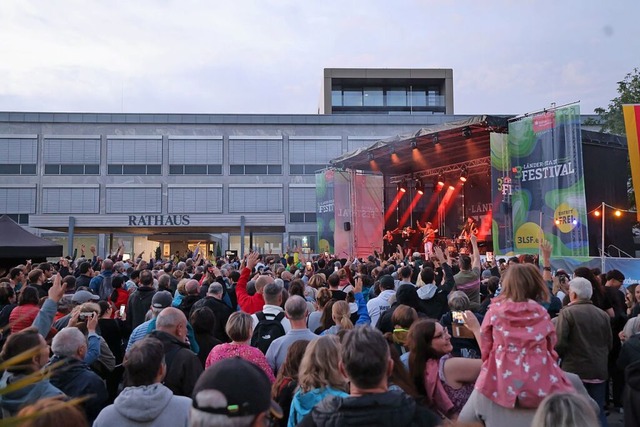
pixel 342 235
pixel 632 125
pixel 368 213
pixel 630 267
pixel 325 218
pixel 501 191
pixel 539 180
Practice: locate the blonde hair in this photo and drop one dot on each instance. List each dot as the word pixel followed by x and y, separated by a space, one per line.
pixel 317 281
pixel 239 326
pixel 565 410
pixel 341 314
pixel 319 366
pixel 182 286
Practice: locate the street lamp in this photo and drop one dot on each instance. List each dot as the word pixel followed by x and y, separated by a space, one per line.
pixel 601 212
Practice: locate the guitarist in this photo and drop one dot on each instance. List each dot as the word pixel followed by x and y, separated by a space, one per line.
pixel 428 238
pixel 470 229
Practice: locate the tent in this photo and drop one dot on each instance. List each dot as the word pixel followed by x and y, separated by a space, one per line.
pixel 17 243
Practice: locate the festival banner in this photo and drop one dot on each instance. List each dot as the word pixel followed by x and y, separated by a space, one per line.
pixel 325 217
pixel 342 235
pixel 548 185
pixel 501 191
pixel 632 125
pixel 368 213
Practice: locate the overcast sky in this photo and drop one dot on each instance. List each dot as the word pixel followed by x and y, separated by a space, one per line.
pixel 268 56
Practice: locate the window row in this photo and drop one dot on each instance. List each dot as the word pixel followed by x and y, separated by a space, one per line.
pixel 401 96
pixel 120 200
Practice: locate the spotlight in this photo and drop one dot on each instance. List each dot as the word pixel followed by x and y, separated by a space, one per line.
pixel 402 186
pixel 419 187
pixel 451 187
pixel 574 222
pixel 464 174
pixel 440 180
pixel 618 213
pixel 466 131
pixel 557 222
pixel 435 138
pixel 370 155
pixel 414 144
pixel 596 213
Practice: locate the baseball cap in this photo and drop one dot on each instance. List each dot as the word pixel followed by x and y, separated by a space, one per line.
pixel 245 387
pixel 161 299
pixel 80 297
pixel 486 274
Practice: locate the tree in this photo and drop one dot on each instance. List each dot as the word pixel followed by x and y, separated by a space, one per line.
pixel 611 118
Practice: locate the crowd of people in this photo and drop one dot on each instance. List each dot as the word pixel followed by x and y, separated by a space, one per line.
pixel 284 340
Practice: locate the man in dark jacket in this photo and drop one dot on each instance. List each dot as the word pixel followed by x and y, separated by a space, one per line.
pixel 221 311
pixel 436 297
pixel 73 377
pixel 632 395
pixel 183 365
pixel 193 295
pixel 366 362
pixel 140 301
pixel 86 274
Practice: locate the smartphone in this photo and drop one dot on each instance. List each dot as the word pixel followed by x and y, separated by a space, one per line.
pixel 326 254
pixel 490 257
pixel 458 317
pixel 83 317
pixel 122 307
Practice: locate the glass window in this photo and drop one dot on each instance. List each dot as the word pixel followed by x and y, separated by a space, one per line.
pixel 307 242
pixel 312 169
pixel 418 98
pixel 51 169
pixel 91 169
pixel 274 170
pixel 296 217
pixel 296 169
pixel 255 169
pixel 310 217
pixel 114 169
pixel 262 243
pixel 336 97
pixel 154 169
pixel 397 97
pixel 236 169
pixel 195 169
pixel 134 170
pixel 176 169
pixel 10 169
pixel 71 169
pixel 28 169
pixel 352 97
pixel 214 169
pixel 373 97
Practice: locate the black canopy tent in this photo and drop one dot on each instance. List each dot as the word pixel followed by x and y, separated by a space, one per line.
pixel 18 245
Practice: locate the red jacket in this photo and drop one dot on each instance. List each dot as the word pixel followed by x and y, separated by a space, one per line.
pixel 123 298
pixel 248 303
pixel 22 317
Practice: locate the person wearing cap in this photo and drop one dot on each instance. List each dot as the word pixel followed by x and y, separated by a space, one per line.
pixel 378 305
pixel 220 310
pixel 183 365
pixel 145 400
pixel 235 393
pixel 296 311
pixel 584 341
pixel 367 364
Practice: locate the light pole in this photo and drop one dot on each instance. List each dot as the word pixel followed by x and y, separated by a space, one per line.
pixel 602 212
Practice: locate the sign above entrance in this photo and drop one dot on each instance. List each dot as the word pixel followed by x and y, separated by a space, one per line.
pixel 159 220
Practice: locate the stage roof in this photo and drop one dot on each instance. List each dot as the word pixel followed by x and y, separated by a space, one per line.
pixel 457 142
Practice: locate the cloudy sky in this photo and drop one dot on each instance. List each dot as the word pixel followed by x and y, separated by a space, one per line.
pixel 267 56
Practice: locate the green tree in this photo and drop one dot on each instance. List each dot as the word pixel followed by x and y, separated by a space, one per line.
pixel 611 118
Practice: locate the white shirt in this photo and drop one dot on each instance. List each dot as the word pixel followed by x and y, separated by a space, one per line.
pixel 378 305
pixel 272 310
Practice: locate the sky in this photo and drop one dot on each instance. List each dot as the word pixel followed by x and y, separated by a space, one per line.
pixel 267 57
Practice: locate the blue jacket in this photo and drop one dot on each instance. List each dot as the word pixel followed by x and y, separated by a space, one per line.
pixel 303 403
pixel 12 402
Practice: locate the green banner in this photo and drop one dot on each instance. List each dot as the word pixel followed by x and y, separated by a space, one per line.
pixel 538 185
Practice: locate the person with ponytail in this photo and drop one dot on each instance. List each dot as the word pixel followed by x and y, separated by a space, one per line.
pixel 341 315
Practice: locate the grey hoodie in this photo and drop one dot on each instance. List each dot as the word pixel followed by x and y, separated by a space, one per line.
pixel 151 405
pixel 12 402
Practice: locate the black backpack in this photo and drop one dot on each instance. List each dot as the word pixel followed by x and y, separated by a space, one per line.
pixel 267 330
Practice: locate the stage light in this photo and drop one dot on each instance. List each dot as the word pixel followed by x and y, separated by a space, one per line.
pixel 451 187
pixel 596 213
pixel 464 174
pixel 574 222
pixel 419 187
pixel 414 144
pixel 435 138
pixel 402 186
pixel 557 222
pixel 370 155
pixel 466 132
pixel 617 212
pixel 440 180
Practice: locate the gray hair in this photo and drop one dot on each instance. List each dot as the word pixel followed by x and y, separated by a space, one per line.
pixel 459 301
pixel 67 342
pixel 107 264
pixel 581 287
pixel 272 292
pixel 164 281
pixel 296 307
pixel 565 410
pixel 215 288
pixel 169 318
pixel 181 265
pixel 118 266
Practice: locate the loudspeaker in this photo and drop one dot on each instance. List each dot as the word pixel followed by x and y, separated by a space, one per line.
pixel 347 226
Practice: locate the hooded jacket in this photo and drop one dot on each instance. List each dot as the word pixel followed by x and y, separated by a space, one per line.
pixel 632 395
pixel 12 402
pixel 303 403
pixel 391 408
pixel 138 305
pixel 146 406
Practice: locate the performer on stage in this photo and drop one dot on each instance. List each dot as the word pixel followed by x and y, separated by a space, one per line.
pixel 428 238
pixel 470 229
pixel 389 240
pixel 407 234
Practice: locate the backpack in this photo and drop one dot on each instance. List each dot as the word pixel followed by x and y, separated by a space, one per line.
pixel 267 330
pixel 106 289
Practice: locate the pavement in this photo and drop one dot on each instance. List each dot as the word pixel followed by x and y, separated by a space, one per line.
pixel 615 418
